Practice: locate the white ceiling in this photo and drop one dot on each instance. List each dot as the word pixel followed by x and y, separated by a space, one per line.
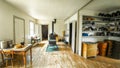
pixel 48 9
pixel 61 9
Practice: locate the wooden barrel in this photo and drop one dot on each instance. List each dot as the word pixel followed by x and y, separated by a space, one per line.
pixel 102 48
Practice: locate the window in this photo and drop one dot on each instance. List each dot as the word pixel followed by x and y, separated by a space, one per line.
pixel 31 28
pixel 36 29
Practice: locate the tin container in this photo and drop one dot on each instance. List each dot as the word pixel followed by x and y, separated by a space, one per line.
pixel 3 44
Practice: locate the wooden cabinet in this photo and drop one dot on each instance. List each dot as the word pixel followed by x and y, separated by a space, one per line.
pixel 89 50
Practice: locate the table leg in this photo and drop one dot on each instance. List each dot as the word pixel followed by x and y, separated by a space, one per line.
pixel 31 56
pixel 2 58
pixel 24 59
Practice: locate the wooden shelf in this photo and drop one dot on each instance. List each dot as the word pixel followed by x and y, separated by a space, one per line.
pixel 96 21
pixel 94 36
pixel 102 36
pixel 96 31
pixel 101 17
pixel 91 31
pixel 93 25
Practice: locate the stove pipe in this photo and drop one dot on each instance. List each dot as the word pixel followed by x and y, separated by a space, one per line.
pixel 53 22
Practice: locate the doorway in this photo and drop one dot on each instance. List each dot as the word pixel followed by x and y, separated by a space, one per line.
pixel 18 29
pixel 70 34
pixel 44 32
pixel 73 35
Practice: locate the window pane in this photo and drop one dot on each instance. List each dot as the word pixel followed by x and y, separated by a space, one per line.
pixel 31 28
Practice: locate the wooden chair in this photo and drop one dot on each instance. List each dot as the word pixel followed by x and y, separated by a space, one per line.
pixel 8 55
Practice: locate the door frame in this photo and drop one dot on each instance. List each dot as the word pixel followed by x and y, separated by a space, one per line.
pixel 75 49
pixel 16 17
pixel 73 39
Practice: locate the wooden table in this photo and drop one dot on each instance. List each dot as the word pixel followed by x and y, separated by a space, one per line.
pixel 21 51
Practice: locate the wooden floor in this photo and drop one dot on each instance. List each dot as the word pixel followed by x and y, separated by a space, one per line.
pixel 65 58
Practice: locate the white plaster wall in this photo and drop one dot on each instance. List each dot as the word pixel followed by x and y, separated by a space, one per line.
pixel 67 32
pixel 72 20
pixel 6 21
pixel 59 26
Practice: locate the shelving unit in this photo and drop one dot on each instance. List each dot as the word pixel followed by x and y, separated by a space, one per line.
pixel 95 27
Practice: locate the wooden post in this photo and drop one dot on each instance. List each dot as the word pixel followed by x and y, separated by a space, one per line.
pixel 31 56
pixel 24 59
pixel 2 58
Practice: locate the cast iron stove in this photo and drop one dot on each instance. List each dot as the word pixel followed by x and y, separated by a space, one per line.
pixel 52 46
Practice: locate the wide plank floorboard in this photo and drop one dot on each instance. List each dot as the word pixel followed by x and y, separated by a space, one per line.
pixel 65 58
